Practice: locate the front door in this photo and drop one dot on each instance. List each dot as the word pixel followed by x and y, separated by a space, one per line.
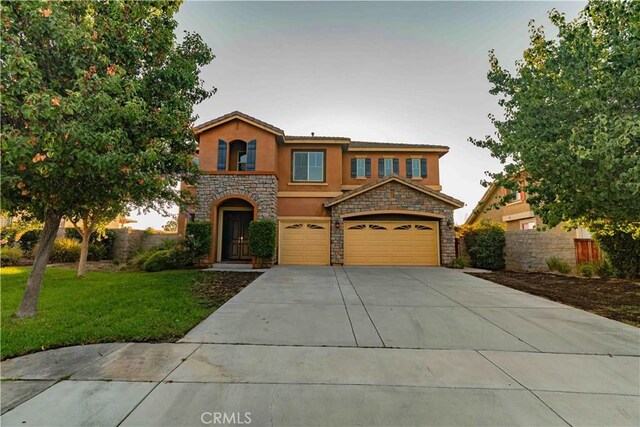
pixel 235 235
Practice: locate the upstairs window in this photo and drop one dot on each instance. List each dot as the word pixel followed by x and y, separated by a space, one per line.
pixel 360 168
pixel 308 166
pixel 415 168
pixel 242 161
pixel 388 167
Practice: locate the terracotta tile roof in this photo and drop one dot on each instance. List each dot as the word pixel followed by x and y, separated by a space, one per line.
pixel 381 181
pixel 370 144
pixel 247 117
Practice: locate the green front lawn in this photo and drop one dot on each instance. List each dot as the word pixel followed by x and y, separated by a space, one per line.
pixel 101 307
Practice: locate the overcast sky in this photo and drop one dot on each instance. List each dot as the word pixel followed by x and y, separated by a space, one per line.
pixel 375 71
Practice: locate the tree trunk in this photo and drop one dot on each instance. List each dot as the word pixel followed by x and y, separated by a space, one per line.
pixel 32 290
pixel 84 252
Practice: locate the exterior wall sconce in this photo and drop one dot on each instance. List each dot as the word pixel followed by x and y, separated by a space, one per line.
pixel 450 223
pixel 336 222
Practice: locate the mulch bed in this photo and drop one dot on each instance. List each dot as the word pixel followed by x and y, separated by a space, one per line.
pixel 217 287
pixel 613 298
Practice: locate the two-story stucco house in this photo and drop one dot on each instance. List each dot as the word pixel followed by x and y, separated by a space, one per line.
pixel 336 201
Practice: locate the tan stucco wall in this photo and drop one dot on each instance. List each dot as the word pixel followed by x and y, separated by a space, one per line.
pixel 333 168
pixel 302 206
pixel 266 146
pixel 433 172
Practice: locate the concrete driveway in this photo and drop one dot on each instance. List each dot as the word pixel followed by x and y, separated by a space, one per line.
pixel 351 346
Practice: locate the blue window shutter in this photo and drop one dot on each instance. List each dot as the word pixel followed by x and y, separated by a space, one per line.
pixel 423 167
pixel 251 155
pixel 367 168
pixel 409 168
pixel 380 168
pixel 354 167
pixel 396 167
pixel 222 155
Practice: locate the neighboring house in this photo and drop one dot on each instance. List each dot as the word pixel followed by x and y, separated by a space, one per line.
pixel 528 249
pixel 336 201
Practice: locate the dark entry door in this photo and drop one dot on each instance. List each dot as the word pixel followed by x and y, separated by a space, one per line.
pixel 235 236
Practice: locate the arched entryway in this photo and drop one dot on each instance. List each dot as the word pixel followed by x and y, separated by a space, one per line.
pixel 230 218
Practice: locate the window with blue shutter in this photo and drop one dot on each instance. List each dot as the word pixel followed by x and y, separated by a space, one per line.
pixel 423 168
pixel 409 168
pixel 354 168
pixel 222 155
pixel 367 168
pixel 380 168
pixel 396 167
pixel 251 155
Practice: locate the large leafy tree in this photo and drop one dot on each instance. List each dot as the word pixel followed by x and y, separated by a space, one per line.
pixel 97 102
pixel 571 122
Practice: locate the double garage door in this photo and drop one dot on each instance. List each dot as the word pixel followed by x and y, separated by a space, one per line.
pixel 391 243
pixel 365 243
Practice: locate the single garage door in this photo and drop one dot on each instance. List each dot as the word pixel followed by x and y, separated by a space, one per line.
pixel 304 243
pixel 391 243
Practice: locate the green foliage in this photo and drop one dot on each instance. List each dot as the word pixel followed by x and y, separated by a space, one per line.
pixel 140 258
pixel 158 261
pixel 485 242
pixel 65 250
pixel 14 232
pixel 622 247
pixel 197 239
pixel 262 238
pixel 101 243
pixel 572 122
pixel 10 254
pixel 29 240
pixel 97 97
pixel 559 265
pixel 595 268
pixel 585 269
pixel 458 262
pixel 171 225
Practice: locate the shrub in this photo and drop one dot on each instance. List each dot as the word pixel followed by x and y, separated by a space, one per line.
pixel 65 250
pixel 603 269
pixel 485 244
pixel 262 238
pixel 17 229
pixel 458 262
pixel 10 255
pixel 29 239
pixel 556 264
pixel 158 261
pixel 585 269
pixel 101 243
pixel 622 249
pixel 197 241
pixel 140 258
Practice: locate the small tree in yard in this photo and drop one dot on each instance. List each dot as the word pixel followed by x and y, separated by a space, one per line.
pixel 572 124
pixel 262 239
pixel 88 221
pixel 96 111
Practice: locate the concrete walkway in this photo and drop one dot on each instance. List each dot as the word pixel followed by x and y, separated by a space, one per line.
pixel 349 346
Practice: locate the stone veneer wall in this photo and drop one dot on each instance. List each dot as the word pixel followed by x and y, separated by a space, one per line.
pixel 262 189
pixel 404 198
pixel 528 250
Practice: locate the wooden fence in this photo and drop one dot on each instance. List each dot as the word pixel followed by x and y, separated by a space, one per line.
pixel 586 251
